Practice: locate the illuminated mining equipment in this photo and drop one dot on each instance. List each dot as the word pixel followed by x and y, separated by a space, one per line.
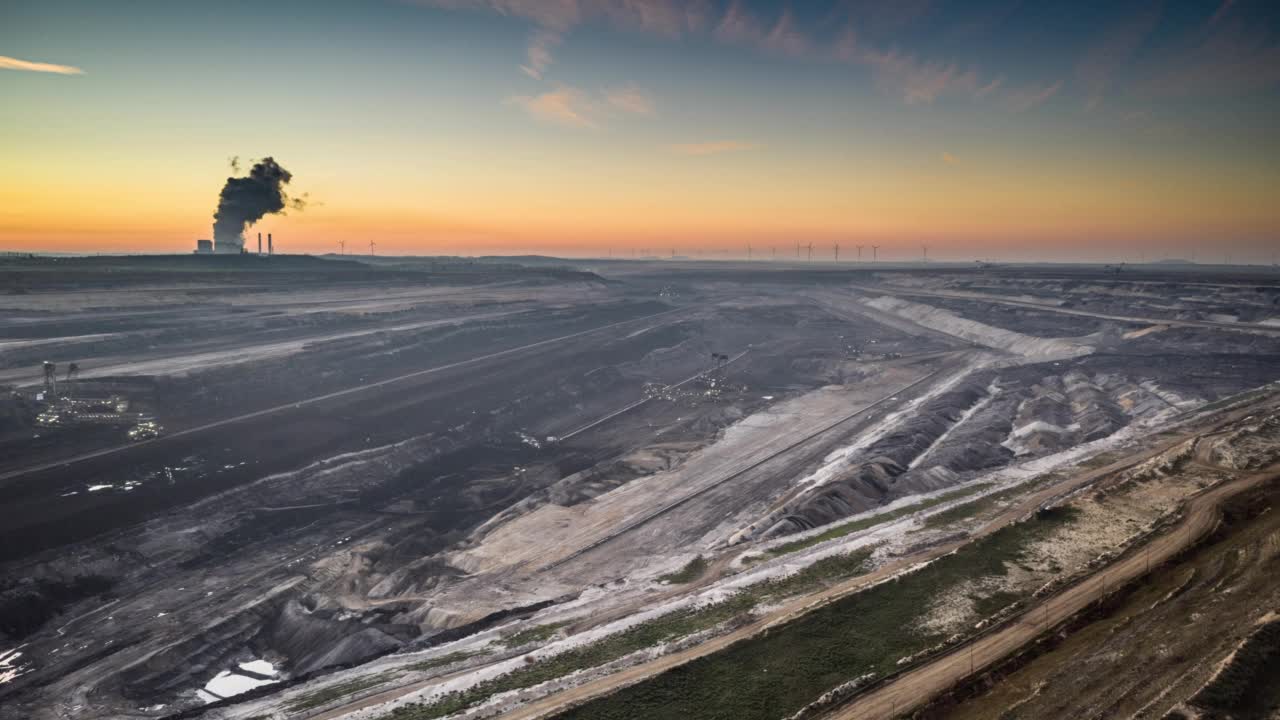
pixel 714 378
pixel 50 380
pixel 146 430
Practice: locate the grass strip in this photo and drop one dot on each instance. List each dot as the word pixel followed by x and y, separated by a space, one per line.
pixel 443 660
pixel 326 695
pixel 775 674
pixel 672 626
pixel 864 523
pixel 534 634
pixel 687 574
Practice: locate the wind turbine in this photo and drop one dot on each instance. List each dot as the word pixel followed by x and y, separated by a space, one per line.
pixel 810 252
pixel 371 244
pixel 797 249
pixel 924 253
pixel 874 250
pixel 859 252
pixel 837 245
pixel 748 252
pixel 342 247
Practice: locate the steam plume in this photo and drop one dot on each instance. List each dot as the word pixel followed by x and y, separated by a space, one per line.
pixel 245 200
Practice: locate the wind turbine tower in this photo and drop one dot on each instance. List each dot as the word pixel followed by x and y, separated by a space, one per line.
pixel 810 252
pixel 371 244
pixel 859 252
pixel 874 250
pixel 837 254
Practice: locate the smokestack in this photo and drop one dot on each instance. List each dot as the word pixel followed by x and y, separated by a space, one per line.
pixel 259 243
pixel 271 249
pixel 244 201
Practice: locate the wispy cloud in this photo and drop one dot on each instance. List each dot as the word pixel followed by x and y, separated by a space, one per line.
pixel 572 107
pixel 9 63
pixel 553 19
pixel 630 99
pixel 914 79
pixel 714 147
pixel 562 106
pixel 540 47
pixel 1113 50
pixel 1221 11
pixel 739 26
pixel 1026 98
pixel 1236 55
pixel 919 81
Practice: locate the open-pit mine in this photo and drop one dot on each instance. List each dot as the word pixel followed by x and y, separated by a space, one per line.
pixel 245 487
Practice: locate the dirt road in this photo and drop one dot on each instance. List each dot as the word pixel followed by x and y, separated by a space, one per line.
pixel 599 687
pixel 552 704
pixel 918 686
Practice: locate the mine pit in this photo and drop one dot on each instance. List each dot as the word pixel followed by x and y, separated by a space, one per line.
pixel 360 490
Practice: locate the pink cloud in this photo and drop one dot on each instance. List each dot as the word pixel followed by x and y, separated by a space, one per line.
pixel 918 81
pixel 1113 50
pixel 1027 98
pixel 553 19
pixel 1235 57
pixel 563 106
pixel 630 100
pixel 10 63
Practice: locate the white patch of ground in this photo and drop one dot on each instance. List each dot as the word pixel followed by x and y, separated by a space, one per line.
pixel 1028 346
pixel 1106 523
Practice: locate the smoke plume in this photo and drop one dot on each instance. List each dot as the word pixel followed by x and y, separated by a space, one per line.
pixel 245 200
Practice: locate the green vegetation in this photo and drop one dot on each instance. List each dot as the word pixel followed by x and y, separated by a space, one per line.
pixel 687 574
pixel 775 674
pixel 326 695
pixel 864 523
pixel 443 660
pixel 988 605
pixel 1243 397
pixel 534 634
pixel 963 511
pixel 666 628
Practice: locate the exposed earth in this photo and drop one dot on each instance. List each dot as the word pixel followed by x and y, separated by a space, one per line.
pixel 423 488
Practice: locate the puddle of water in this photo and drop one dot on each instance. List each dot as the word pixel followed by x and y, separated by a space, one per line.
pixel 230 683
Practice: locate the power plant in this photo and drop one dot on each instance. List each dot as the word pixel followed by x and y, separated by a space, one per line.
pixel 207 247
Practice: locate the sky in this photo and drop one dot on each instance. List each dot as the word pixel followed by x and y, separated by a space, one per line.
pixel 982 129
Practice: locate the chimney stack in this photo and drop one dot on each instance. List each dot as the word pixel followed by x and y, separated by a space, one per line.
pixel 259 243
pixel 271 250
